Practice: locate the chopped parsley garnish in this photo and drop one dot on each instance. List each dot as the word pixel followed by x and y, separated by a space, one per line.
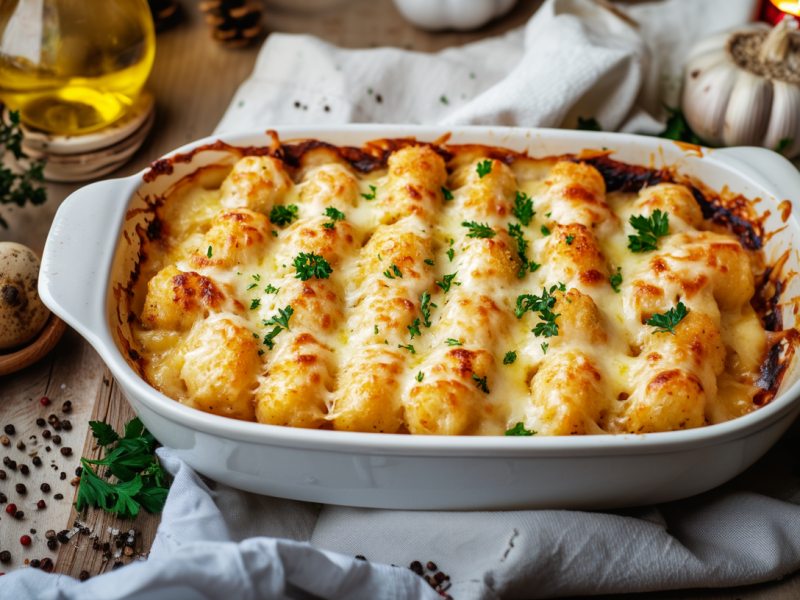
pixel 450 254
pixel 519 429
pixel 443 100
pixel 452 342
pixel 379 257
pixel 543 304
pixel 251 286
pixel 269 338
pixel 274 234
pixel 376 330
pixel 570 239
pixel 208 252
pixel 480 383
pixel 509 358
pixel 425 303
pixel 669 320
pixel 448 195
pixel 515 231
pixel 414 329
pixel 311 265
pixel 479 230
pixel 545 231
pixel 484 168
pixel 392 271
pixel 447 281
pixel 410 348
pixel 260 352
pixel 428 261
pixel 419 376
pixel 255 303
pixel 255 335
pixel 334 215
pixel 523 208
pixel 282 215
pixel 545 347
pixel 371 195
pixel 257 277
pixel 282 318
pixel 650 229
pixel 23 187
pixel 616 280
pixel 270 289
pixel 141 482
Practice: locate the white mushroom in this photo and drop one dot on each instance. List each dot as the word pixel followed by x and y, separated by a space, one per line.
pixel 22 313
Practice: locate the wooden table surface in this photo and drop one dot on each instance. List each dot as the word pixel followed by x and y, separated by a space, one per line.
pixel 193 81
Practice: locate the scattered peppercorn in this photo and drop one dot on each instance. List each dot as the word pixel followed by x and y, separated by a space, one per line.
pixel 79 471
pixel 9 429
pixel 2 475
pixel 47 565
pixel 45 487
pixel 56 439
pixel 5 556
pixel 3 498
pixel 21 489
pixel 33 532
pixel 41 422
pixel 50 534
pixel 24 469
pixel 11 509
pixel 47 448
pixel 84 575
pixel 66 425
pixel 52 544
pixel 4 440
pixel 62 476
pixel 416 566
pixel 19 515
pixel 41 504
pixel 66 407
pixel 46 434
pixel 62 536
pixel 58 496
pixel 360 557
pixel 20 445
pixel 66 451
pixel 431 566
pixel 35 563
pixel 44 401
pixel 37 462
pixel 25 540
pixel 52 419
pixel 106 547
pixel 11 464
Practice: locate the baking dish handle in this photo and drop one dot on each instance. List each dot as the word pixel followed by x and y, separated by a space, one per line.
pixel 765 167
pixel 80 235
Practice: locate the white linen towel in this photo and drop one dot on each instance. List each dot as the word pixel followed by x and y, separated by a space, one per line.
pixel 572 59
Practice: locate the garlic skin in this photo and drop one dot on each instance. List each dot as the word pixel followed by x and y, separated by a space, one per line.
pixel 729 103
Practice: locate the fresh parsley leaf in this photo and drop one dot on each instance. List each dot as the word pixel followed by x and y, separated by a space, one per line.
pixel 479 230
pixel 392 271
pixel 589 124
pixel 543 305
pixel 548 326
pixel 428 261
pixel 255 303
pixel 616 279
pixel 443 100
pixel 519 429
pixel 419 376
pixel 515 231
pixel 450 254
pixel 545 231
pixel 650 229
pixel 274 233
pixel 480 383
pixel 282 215
pixel 414 329
pixel 208 252
pixel 376 330
pixel 333 214
pixel 103 433
pixel 448 195
pixel 669 320
pixel 269 338
pixel 678 129
pixel 484 168
pixel 282 318
pixel 19 188
pixel 425 300
pixel 410 348
pixel 510 357
pixel 257 277
pixel 270 289
pixel 251 286
pixel 447 281
pixel 570 239
pixel 545 347
pixel 311 265
pixel 371 195
pixel 783 144
pixel 523 208
pixel 452 342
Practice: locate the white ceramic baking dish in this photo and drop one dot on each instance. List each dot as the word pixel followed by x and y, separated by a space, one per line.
pixel 91 248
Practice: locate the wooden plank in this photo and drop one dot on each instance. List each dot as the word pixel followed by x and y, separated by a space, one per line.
pixel 86 552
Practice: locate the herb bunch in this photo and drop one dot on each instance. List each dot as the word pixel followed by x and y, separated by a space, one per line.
pixel 19 188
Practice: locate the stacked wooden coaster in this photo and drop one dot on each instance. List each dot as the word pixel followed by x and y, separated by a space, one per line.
pixel 89 156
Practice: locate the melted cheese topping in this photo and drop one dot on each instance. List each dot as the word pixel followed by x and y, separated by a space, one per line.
pixel 360 354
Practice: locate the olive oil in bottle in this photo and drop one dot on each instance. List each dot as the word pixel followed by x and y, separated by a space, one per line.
pixel 74 66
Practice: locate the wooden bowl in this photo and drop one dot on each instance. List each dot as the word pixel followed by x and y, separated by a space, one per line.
pixel 38 348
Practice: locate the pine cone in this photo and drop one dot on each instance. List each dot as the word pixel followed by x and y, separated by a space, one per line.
pixel 165 13
pixel 233 22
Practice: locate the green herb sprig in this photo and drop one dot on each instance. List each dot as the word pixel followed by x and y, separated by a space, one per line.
pixel 19 188
pixel 311 265
pixel 667 322
pixel 479 230
pixel 447 281
pixel 484 168
pixel 523 208
pixel 650 229
pixel 334 215
pixel 282 215
pixel 519 429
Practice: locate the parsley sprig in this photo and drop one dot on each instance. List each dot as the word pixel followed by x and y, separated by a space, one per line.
pixel 413 329
pixel 22 188
pixel 392 271
pixel 141 482
pixel 519 429
pixel 425 308
pixel 480 383
pixel 282 215
pixel 334 215
pixel 448 195
pixel 669 320
pixel 479 230
pixel 484 168
pixel 371 195
pixel 515 231
pixel 447 281
pixel 616 279
pixel 510 357
pixel 281 322
pixel 453 342
pixel 311 265
pixel 543 304
pixel 523 208
pixel 650 229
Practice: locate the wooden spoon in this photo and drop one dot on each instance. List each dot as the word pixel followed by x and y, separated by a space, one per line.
pixel 38 348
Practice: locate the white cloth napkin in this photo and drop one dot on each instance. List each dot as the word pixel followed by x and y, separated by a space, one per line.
pixel 572 59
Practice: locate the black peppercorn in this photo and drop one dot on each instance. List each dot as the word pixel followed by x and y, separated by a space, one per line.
pixel 46 434
pixel 106 547
pixel 66 407
pixel 52 419
pixel 19 515
pixel 431 566
pixel 416 566
pixel 66 425
pixel 62 476
pixel 50 534
pixel 9 429
pixel 47 565
pixel 5 556
pixel 3 498
pixel 360 557
pixel 35 563
pixel 41 422
pixel 52 544
pixel 37 462
pixel 439 577
pixel 45 487
pixel 66 451
pixel 2 475
pixel 11 464
pixel 56 439
pixel 47 448
pixel 79 471
pixel 24 469
pixel 63 537
pixel 58 496
pixel 84 575
pixel 20 445
pixel 21 489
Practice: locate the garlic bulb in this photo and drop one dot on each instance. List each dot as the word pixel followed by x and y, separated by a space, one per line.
pixel 742 88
